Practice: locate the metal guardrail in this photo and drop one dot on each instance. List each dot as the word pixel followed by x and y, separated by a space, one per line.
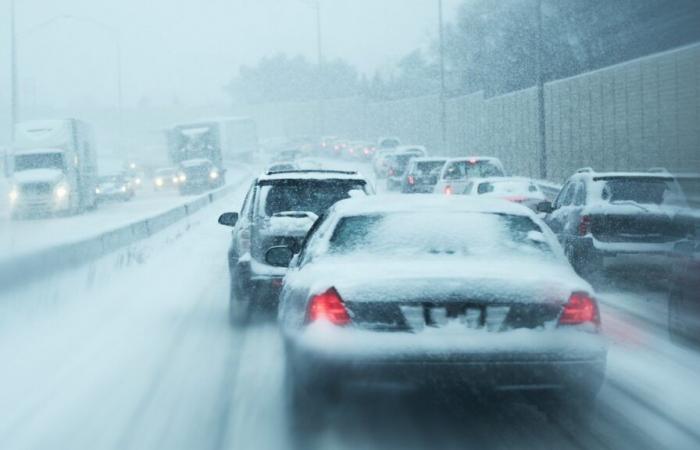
pixel 19 270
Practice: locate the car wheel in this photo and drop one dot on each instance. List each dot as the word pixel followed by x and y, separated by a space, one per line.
pixel 238 306
pixel 585 262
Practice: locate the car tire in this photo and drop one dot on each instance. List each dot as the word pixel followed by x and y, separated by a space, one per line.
pixel 238 306
pixel 586 263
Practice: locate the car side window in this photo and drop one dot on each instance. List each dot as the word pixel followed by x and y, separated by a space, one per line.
pixel 560 196
pixel 569 195
pixel 580 197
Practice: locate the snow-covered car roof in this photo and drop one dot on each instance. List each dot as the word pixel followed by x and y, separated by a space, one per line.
pixel 602 175
pixel 195 162
pixel 502 180
pixel 475 158
pixel 409 148
pixel 427 202
pixel 311 174
pixel 430 159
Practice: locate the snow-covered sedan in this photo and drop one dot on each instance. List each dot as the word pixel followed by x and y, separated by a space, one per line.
pixel 426 290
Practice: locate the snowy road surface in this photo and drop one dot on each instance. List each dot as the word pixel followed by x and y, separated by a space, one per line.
pixel 134 352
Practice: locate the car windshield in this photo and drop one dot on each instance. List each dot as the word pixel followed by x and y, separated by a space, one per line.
pixel 39 161
pixel 314 196
pixel 644 190
pixel 418 233
pixel 507 187
pixel 473 168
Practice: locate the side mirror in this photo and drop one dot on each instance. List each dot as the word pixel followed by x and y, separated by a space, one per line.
pixel 545 207
pixel 228 219
pixel 279 256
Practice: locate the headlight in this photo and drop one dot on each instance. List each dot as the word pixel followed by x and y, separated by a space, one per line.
pixel 61 191
pixel 175 180
pixel 123 189
pixel 182 177
pixel 98 191
pixel 137 181
pixel 214 174
pixel 14 194
pixel 159 182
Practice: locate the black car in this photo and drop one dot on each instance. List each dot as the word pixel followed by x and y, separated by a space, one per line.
pixel 397 163
pixel 278 209
pixel 599 215
pixel 198 175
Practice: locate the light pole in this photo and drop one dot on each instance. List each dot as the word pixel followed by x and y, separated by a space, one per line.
pixel 316 5
pixel 541 119
pixel 443 105
pixel 13 72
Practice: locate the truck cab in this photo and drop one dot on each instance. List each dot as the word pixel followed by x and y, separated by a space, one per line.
pixel 53 168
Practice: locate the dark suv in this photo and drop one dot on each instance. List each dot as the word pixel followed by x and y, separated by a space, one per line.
pixel 600 215
pixel 278 209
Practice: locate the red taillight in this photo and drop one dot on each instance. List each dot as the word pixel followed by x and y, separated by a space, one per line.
pixel 515 198
pixel 366 151
pixel 391 172
pixel 329 307
pixel 581 308
pixel 584 225
pixel 411 180
pixel 448 190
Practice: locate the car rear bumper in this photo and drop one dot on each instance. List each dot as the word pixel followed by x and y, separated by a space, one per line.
pixel 561 366
pixel 629 248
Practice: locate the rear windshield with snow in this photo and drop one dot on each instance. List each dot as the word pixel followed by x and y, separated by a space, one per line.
pixel 423 168
pixel 458 233
pixel 644 190
pixel 467 169
pixel 314 196
pixel 506 187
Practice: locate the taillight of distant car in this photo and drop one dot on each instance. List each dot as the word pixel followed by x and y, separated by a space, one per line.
pixel 391 172
pixel 411 180
pixel 328 307
pixel 584 225
pixel 448 190
pixel 515 198
pixel 581 308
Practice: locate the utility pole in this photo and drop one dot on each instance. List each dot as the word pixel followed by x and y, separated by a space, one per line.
pixel 541 118
pixel 319 49
pixel 14 97
pixel 443 106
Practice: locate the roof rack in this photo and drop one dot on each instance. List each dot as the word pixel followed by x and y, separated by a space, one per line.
pixel 658 170
pixel 585 170
pixel 292 171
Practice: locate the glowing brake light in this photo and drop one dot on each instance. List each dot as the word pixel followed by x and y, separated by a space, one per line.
pixel 581 308
pixel 411 180
pixel 448 190
pixel 473 161
pixel 329 307
pixel 584 225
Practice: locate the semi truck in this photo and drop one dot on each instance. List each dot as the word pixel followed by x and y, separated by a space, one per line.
pixel 220 140
pixel 53 168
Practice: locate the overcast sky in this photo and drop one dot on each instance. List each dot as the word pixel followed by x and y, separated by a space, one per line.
pixel 190 49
